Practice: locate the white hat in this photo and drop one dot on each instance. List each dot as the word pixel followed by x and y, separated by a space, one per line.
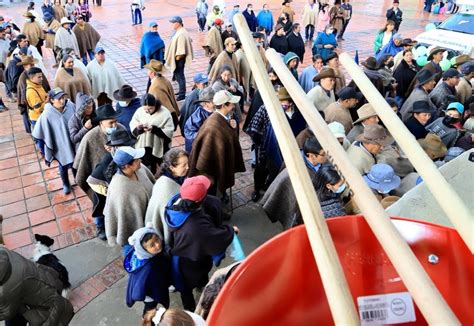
pixel 223 97
pixel 337 129
pixel 65 20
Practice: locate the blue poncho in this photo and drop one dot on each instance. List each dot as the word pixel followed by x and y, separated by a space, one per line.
pixel 151 47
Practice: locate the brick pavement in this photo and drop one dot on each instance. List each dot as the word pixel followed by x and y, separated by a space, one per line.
pixel 31 198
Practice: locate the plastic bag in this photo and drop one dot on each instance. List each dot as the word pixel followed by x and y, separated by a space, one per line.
pixel 236 250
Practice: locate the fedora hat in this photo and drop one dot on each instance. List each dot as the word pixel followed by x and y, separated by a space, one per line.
pixel 120 137
pixel 382 178
pixel 27 60
pixel 124 93
pixel 28 15
pixel 375 134
pixel 436 49
pixel 425 76
pixel 206 95
pixel 325 73
pixel 421 107
pixel 105 112
pixel 364 112
pixel 156 66
pixel 370 63
pixel 65 20
pixel 283 94
pixel 433 146
pixel 461 59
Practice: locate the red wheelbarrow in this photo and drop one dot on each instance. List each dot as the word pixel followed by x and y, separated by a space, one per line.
pixel 279 283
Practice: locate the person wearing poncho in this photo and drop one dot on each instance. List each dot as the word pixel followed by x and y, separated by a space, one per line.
pixel 87 38
pixel 213 43
pixel 152 46
pixel 153 127
pixel 32 29
pixel 71 79
pixel 65 38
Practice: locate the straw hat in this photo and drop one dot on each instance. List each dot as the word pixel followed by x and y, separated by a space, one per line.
pixel 433 146
pixel 364 112
pixel 461 59
pixel 283 94
pixel 65 20
pixel 156 66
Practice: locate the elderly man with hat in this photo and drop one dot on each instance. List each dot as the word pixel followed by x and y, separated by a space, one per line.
pixel 421 115
pixel 199 236
pixel 87 38
pixel 33 31
pixel 127 104
pixel 425 82
pixel 205 107
pixel 366 116
pixel 213 43
pixel 65 38
pixel 216 149
pixel 267 151
pixel 340 111
pixel 464 88
pixel 52 132
pixel 91 150
pixel 364 150
pixel 104 76
pixel 449 127
pixel 323 94
pixel 179 54
pixel 201 81
pixel 433 146
pixel 162 89
pixel 99 178
pixel 279 42
pixel 445 90
pixel 152 45
pixel 226 57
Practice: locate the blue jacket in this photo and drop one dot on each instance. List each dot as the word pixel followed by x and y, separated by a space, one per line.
pixel 322 40
pixel 126 113
pixel 148 278
pixel 152 46
pixel 192 126
pixel 265 19
pixel 306 78
pixel 251 20
pixel 389 48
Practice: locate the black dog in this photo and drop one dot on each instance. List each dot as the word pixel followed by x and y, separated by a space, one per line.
pixel 43 255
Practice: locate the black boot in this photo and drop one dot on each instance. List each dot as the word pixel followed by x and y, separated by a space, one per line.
pixel 66 184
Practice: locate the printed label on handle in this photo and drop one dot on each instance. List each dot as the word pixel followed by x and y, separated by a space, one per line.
pixel 391 308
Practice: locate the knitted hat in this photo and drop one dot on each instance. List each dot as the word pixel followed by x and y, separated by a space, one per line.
pixel 136 238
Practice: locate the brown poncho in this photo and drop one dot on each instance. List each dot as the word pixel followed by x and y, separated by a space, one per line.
pixel 162 90
pixel 33 31
pixel 87 37
pixel 49 37
pixel 213 43
pixel 59 12
pixel 224 59
pixel 216 152
pixel 71 85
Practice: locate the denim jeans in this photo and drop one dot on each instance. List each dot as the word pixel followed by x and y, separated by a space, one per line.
pixel 309 32
pixel 180 78
pixel 136 15
pixel 26 122
pixel 99 222
pixel 91 56
pixel 344 26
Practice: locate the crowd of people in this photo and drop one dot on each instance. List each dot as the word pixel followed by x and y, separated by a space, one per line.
pixel 165 206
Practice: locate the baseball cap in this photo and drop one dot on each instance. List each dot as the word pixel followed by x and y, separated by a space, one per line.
pixel 176 19
pixel 127 154
pixel 467 68
pixel 456 106
pixel 56 93
pixel 230 40
pixel 201 78
pixel 99 49
pixel 451 73
pixel 222 97
pixel 195 188
pixel 152 24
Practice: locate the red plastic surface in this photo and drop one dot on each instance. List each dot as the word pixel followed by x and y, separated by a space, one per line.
pixel 279 283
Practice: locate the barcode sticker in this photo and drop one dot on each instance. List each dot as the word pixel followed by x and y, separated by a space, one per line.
pixel 391 308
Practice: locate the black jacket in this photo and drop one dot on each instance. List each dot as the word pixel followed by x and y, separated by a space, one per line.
pixel 296 44
pixel 279 44
pixel 404 75
pixel 395 16
pixel 416 128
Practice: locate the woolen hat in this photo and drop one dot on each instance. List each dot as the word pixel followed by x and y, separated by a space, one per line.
pixel 451 73
pixel 421 107
pixel 206 95
pixel 325 73
pixel 125 92
pixel 65 20
pixel 382 178
pixel 195 188
pixel 105 112
pixel 120 137
pixel 283 94
pixel 28 60
pixel 370 63
pixel 433 145
pixel 218 22
pixel 155 66
pixel 126 154
pixel 424 77
pixel 461 59
pixel 364 112
pixel 375 134
pixel 436 49
pixel 456 106
pixel 223 97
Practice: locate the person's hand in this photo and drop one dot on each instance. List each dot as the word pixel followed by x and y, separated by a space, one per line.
pixel 88 124
pixel 147 127
pixel 140 126
pixel 236 229
pixel 233 123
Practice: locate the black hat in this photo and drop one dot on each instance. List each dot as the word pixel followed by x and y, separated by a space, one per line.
pixel 435 50
pixel 370 63
pixel 331 56
pixel 451 73
pixel 258 35
pixel 105 112
pixel 425 76
pixel 421 107
pixel 348 93
pixel 126 92
pixel 120 137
